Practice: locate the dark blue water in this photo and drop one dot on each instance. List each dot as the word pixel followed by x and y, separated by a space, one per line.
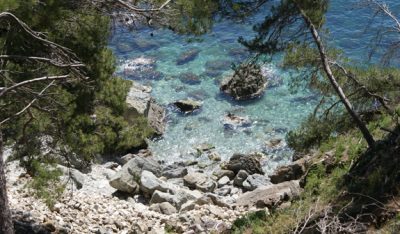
pixel 272 116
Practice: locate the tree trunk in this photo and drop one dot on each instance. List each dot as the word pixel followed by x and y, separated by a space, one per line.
pixel 6 224
pixel 360 124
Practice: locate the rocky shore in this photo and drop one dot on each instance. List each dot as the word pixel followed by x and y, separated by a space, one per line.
pixel 182 199
pixel 137 193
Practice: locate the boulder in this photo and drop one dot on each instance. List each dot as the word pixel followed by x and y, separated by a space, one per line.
pixel 174 172
pixel 150 183
pixel 188 105
pixel 223 181
pixel 250 163
pixel 177 199
pixel 187 56
pixel 221 173
pixel 127 179
pixel 167 208
pixel 240 177
pixel 255 181
pixel 199 181
pixel 247 82
pixel 234 122
pixel 293 171
pixel 270 196
pixel 189 78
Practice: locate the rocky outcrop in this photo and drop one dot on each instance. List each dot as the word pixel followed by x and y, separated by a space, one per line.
pixel 128 178
pixel 188 105
pixel 187 56
pixel 140 102
pixel 249 163
pixel 247 82
pixel 293 171
pixel 270 196
pixel 156 116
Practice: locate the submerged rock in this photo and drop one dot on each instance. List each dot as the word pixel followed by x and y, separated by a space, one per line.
pixel 145 44
pixel 189 78
pixel 249 163
pixel 141 68
pixel 123 47
pixel 187 56
pixel 216 68
pixel 247 82
pixel 234 122
pixel 188 105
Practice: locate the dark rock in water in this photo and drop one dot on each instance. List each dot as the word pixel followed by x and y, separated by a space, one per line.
pixel 246 83
pixel 188 105
pixel 187 56
pixel 249 163
pixel 189 78
pixel 144 45
pixel 124 47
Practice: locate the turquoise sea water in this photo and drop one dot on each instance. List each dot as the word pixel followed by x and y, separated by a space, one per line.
pixel 272 116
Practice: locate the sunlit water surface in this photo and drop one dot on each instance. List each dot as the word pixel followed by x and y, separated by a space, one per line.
pixel 278 111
